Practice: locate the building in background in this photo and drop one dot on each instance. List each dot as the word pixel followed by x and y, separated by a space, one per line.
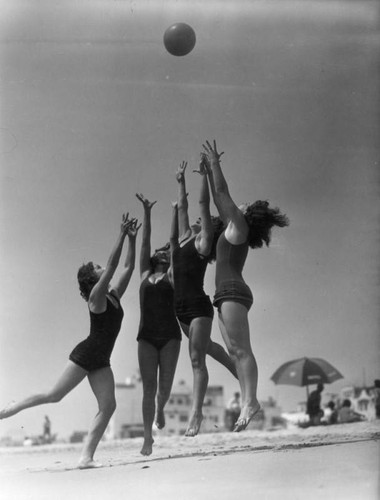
pixel 127 420
pixel 178 409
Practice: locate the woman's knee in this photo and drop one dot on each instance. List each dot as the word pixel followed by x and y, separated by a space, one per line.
pixel 108 407
pixel 239 351
pixel 111 407
pixel 198 359
pixel 150 389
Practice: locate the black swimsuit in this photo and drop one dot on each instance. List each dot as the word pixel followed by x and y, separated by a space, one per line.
pixel 189 268
pixel 95 351
pixel 229 282
pixel 158 324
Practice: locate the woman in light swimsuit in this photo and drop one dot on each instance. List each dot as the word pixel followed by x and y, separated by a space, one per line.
pixel 192 251
pixel 159 336
pixel 91 357
pixel 247 226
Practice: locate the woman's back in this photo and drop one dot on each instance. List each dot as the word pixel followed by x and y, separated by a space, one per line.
pixel 230 260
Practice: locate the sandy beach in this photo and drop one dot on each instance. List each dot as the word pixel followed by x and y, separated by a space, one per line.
pixel 336 462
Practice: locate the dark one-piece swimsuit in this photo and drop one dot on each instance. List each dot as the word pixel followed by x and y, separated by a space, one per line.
pixel 158 323
pixel 229 282
pixel 190 299
pixel 95 351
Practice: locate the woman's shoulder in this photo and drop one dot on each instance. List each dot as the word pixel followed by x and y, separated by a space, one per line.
pixel 236 234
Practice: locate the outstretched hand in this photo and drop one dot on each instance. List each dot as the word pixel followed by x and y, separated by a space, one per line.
pixel 147 204
pixel 212 152
pixel 204 165
pixel 126 223
pixel 133 228
pixel 180 174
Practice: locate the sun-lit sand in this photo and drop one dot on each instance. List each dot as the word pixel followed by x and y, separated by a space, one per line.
pixel 340 461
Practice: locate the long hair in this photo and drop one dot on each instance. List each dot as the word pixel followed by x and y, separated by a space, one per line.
pixel 86 279
pixel 261 218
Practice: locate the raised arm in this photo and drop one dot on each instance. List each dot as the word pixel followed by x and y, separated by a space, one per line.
pixel 183 216
pixel 174 227
pixel 237 228
pixel 145 243
pixel 205 237
pixel 173 241
pixel 97 299
pixel 130 259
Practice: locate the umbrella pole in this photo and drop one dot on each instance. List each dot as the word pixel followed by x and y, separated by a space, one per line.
pixel 307 393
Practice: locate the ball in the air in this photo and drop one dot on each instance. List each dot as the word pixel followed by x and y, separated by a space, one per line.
pixel 179 39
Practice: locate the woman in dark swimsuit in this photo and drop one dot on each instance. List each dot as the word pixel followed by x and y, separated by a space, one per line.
pixel 248 226
pixel 91 358
pixel 192 251
pixel 159 336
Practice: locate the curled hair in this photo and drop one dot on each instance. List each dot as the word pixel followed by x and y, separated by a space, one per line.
pixel 87 278
pixel 261 218
pixel 154 259
pixel 218 230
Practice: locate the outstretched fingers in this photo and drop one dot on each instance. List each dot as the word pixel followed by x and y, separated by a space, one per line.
pixel 145 201
pixel 212 150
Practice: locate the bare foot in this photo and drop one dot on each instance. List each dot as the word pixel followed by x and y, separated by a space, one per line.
pixel 160 419
pixel 88 463
pixel 194 424
pixel 246 415
pixel 8 411
pixel 147 446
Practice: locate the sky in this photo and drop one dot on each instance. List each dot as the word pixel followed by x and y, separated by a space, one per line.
pixel 93 110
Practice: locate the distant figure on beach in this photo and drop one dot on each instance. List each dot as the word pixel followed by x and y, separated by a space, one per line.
pixel 193 248
pixel 376 391
pixel 233 410
pixel 347 415
pixel 246 226
pixel 159 335
pixel 331 413
pixel 91 357
pixel 46 429
pixel 314 409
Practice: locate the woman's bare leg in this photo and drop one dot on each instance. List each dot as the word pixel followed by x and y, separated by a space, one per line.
pixel 235 329
pixel 168 357
pixel 199 337
pixel 70 378
pixel 216 352
pixel 103 386
pixel 148 363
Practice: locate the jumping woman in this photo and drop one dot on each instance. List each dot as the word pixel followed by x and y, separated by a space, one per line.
pixel 91 357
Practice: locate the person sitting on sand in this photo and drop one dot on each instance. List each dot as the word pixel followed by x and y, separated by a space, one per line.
pixel 347 415
pixel 331 413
